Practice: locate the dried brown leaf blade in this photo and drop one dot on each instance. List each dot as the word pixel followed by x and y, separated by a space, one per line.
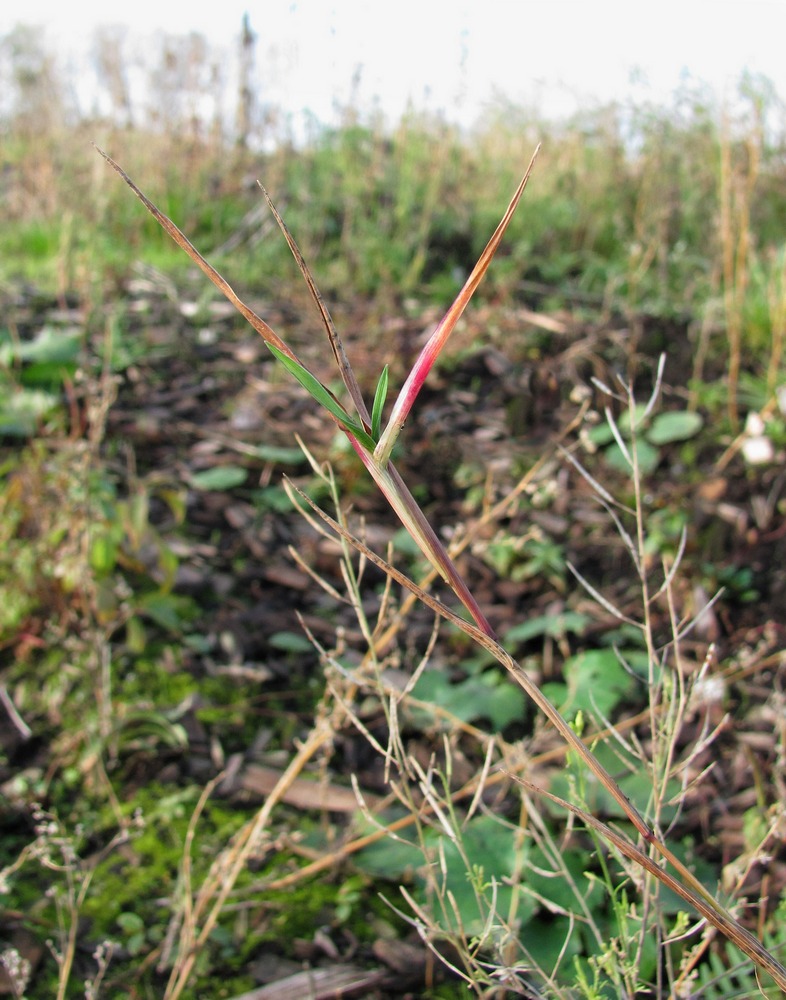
pixel 266 332
pixel 344 367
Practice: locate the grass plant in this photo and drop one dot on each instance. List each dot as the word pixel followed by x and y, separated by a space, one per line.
pixel 645 846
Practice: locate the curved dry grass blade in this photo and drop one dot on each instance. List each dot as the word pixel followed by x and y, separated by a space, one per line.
pixel 184 243
pixel 604 602
pixel 347 375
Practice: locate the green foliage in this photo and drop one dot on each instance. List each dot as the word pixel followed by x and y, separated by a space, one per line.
pixel 738 582
pixel 527 557
pixel 472 889
pixel 555 626
pixel 39 558
pixel 727 973
pixel 291 642
pixel 32 374
pixel 633 777
pixel 627 209
pixel 323 396
pixel 647 436
pixel 665 529
pixel 595 682
pixel 380 395
pixel 220 477
pixel 485 696
pixel 24 411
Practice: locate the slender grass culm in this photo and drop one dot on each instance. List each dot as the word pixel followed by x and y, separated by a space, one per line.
pixel 373 440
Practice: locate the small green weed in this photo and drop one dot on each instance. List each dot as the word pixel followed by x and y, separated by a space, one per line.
pixel 617 438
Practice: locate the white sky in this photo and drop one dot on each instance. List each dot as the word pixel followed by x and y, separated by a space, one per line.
pixel 455 56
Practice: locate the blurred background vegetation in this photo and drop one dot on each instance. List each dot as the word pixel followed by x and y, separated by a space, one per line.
pixel 641 208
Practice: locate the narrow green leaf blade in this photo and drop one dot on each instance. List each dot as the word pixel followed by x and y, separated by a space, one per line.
pixel 220 477
pixel 379 402
pixel 318 391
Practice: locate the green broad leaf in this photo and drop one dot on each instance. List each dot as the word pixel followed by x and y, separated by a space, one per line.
pixel 678 425
pixel 103 554
pixel 49 346
pixel 602 434
pixel 392 858
pixel 633 778
pixel 273 498
pixel 647 454
pixel 290 642
pixel 136 636
pixel 628 419
pixel 47 373
pixel 485 696
pixel 555 626
pixel 379 402
pixel 595 683
pixel 221 477
pixel 130 922
pixel 478 874
pixel 554 940
pixel 21 411
pixel 325 398
pixel 405 544
pixel 170 611
pixel 283 456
